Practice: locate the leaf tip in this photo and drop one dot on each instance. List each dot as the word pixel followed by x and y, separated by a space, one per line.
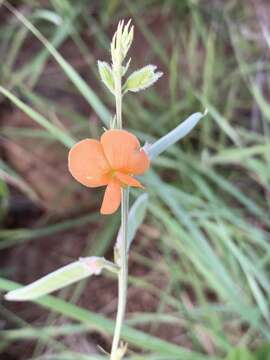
pixel 93 264
pixel 12 296
pixel 205 112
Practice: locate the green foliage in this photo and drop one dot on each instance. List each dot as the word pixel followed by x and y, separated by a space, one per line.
pixel 240 354
pixel 166 141
pixel 136 217
pixel 55 132
pixel 100 323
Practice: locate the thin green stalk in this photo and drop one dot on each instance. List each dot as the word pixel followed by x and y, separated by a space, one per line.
pixel 123 274
pixel 121 257
pixel 118 97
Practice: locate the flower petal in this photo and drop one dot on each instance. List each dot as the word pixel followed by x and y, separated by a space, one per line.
pixel 122 149
pixel 112 198
pixel 87 163
pixel 138 163
pixel 128 180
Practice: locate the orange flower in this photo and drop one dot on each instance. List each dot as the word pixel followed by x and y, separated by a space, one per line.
pixel 112 161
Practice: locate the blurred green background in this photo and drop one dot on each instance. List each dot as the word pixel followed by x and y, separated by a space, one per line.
pixel 199 266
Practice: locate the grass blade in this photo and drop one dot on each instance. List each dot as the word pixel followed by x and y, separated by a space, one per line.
pixel 64 138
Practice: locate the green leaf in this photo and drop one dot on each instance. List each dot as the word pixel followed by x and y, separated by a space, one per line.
pixel 135 218
pixel 60 278
pixel 240 354
pixel 11 177
pixel 142 79
pixel 105 72
pixel 72 74
pixel 173 136
pixel 58 133
pixel 48 15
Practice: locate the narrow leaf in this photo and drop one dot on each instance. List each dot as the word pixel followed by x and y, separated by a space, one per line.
pixel 105 72
pixel 59 134
pixel 142 78
pixel 72 74
pixel 60 278
pixel 173 136
pixel 135 219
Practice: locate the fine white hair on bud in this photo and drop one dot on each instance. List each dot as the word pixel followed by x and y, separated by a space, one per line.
pixel 106 75
pixel 142 78
pixel 121 41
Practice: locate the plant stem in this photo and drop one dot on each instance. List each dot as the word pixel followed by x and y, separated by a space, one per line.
pixel 121 257
pixel 118 95
pixel 123 274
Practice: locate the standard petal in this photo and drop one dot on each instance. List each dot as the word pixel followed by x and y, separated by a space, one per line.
pixel 87 163
pixel 128 180
pixel 112 198
pixel 118 145
pixel 138 162
pixel 122 149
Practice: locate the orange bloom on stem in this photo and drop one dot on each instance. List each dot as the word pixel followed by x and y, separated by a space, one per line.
pixel 112 161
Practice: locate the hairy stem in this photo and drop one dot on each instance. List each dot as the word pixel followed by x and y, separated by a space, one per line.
pixel 118 95
pixel 123 274
pixel 121 257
